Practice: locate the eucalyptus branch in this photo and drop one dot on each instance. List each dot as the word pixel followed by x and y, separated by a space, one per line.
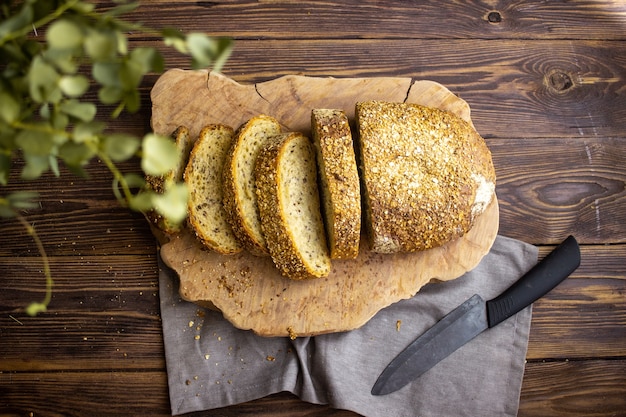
pixel 44 118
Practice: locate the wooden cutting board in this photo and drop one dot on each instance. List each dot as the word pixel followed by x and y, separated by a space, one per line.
pixel 249 290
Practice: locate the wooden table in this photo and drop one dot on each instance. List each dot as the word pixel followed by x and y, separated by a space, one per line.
pixel 546 82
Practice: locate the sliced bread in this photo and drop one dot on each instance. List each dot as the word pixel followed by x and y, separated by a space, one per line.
pixel 426 175
pixel 204 178
pixel 184 143
pixel 339 181
pixel 288 200
pixel 240 199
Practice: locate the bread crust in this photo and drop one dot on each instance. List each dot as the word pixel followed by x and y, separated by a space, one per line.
pixel 284 247
pixel 421 169
pixel 205 169
pixel 240 201
pixel 339 181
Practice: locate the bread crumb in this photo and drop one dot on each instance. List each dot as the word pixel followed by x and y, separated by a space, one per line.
pixel 292 334
pixel 398 324
pixel 270 358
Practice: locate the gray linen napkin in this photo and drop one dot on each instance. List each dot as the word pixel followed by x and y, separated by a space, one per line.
pixel 211 364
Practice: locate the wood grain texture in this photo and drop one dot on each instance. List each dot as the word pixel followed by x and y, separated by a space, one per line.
pixel 546 82
pixel 589 388
pixel 559 389
pixel 270 19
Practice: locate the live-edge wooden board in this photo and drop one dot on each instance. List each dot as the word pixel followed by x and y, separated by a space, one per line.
pixel 249 290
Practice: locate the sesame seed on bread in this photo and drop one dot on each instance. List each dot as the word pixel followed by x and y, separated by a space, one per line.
pixel 339 181
pixel 204 178
pixel 288 201
pixel 426 175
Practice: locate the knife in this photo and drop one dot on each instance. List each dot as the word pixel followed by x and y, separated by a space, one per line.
pixel 476 315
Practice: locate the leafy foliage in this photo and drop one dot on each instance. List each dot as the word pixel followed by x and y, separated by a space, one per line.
pixel 45 117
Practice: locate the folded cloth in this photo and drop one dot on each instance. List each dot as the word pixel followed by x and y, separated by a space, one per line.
pixel 211 364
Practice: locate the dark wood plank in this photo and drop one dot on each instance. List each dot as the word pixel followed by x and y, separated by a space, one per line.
pixel 550 188
pixel 550 389
pixel 585 315
pixel 105 314
pixel 574 388
pixel 581 19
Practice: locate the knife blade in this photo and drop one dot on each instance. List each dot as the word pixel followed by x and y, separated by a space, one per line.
pixel 475 316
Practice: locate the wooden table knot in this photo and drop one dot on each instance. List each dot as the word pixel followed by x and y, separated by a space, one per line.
pixel 559 81
pixel 494 17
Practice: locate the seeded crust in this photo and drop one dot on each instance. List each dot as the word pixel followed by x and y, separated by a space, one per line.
pixel 426 175
pixel 288 200
pixel 184 143
pixel 339 181
pixel 204 178
pixel 240 199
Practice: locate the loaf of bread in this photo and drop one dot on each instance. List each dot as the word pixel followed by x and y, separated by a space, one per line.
pixel 339 181
pixel 426 175
pixel 288 201
pixel 204 178
pixel 240 199
pixel 184 143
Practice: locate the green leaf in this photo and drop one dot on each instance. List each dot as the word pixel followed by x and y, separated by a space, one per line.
pixel 107 74
pixel 142 201
pixel 81 111
pixel 175 39
pixel 120 147
pixel 132 100
pixel 160 154
pixel 15 23
pixel 122 43
pixel 43 82
pixel 123 8
pixel 207 51
pixel 35 142
pixel 149 59
pixel 130 75
pixel 110 94
pixel 64 60
pixel 101 45
pixel 35 166
pixel 54 165
pixel 5 167
pixel 74 85
pixel 172 204
pixel 35 308
pixel 87 132
pixel 83 8
pixel 76 154
pixel 10 108
pixel 59 120
pixel 64 34
pixel 134 180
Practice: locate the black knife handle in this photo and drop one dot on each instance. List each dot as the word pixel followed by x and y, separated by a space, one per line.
pixel 536 283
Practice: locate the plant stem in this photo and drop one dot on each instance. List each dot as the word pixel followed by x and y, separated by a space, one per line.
pixel 42 251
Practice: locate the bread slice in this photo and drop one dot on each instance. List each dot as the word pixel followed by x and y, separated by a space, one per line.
pixel 240 199
pixel 204 178
pixel 426 175
pixel 339 181
pixel 184 143
pixel 288 199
